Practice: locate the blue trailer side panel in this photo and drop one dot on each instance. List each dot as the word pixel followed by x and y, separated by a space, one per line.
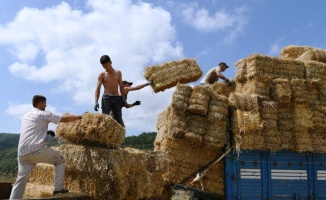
pixel 278 175
pixel 320 175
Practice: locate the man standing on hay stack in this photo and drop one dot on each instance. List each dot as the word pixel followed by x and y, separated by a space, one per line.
pixel 111 79
pixel 32 148
pixel 214 74
pixel 127 87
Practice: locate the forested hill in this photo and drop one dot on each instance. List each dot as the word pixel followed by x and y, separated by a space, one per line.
pixel 9 144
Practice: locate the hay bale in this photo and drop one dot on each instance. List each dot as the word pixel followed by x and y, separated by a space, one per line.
pixel 315 70
pixel 268 113
pixel 313 55
pixel 322 95
pixel 302 116
pixel 197 124
pixel 249 121
pixel 186 157
pixel 217 132
pixel 259 85
pixel 246 102
pixel 199 100
pixel 287 138
pixel 181 97
pixel 170 74
pixel 218 108
pixel 253 140
pixel 273 67
pixel 299 90
pixel 285 118
pixel 112 174
pixel 272 140
pixel 222 88
pixel 281 90
pixel 241 73
pixel 293 51
pixel 318 118
pixel 93 129
pixel 177 123
pixel 302 140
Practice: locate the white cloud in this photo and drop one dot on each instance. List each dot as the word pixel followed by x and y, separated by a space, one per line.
pixel 19 110
pixel 276 47
pixel 144 116
pixel 64 45
pixel 232 22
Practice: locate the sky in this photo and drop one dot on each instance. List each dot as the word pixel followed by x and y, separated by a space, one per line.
pixel 52 48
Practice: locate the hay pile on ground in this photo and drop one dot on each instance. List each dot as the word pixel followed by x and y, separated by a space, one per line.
pixel 110 174
pixel 280 100
pixel 170 74
pixel 93 129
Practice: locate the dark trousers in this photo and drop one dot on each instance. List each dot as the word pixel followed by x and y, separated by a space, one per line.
pixel 112 105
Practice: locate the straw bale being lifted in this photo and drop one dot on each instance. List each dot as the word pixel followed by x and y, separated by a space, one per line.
pixel 93 129
pixel 294 51
pixel 199 100
pixel 170 74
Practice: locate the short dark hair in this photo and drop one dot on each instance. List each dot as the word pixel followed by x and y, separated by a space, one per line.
pixel 36 99
pixel 223 63
pixel 126 82
pixel 105 59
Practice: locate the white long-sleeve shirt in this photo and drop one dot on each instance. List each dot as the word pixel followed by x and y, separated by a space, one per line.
pixel 34 129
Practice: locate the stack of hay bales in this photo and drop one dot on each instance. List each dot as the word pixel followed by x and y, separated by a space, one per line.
pixel 192 132
pixel 96 166
pixel 170 74
pixel 292 101
pixel 109 174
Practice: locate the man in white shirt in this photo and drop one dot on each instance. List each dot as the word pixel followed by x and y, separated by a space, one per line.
pixel 32 148
pixel 214 74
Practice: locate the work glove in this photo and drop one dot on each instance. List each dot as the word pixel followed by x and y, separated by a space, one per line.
pixel 150 83
pixel 50 132
pixel 96 107
pixel 137 103
pixel 228 82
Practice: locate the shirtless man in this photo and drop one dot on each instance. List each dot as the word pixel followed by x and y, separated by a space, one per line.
pixel 127 87
pixel 214 74
pixel 111 79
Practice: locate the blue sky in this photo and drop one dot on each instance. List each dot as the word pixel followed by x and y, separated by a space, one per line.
pixel 53 47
